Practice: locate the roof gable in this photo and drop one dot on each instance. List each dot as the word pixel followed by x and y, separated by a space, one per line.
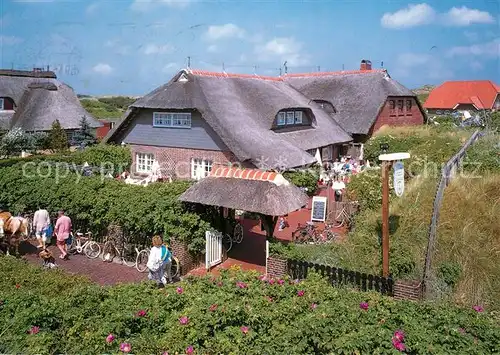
pixel 450 94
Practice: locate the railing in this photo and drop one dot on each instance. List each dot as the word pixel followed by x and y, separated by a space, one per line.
pixel 338 276
pixel 447 174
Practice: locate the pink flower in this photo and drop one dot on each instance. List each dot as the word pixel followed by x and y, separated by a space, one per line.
pixel 270 299
pixel 301 293
pixel 271 282
pixel 281 282
pixel 34 330
pixel 184 320
pixel 244 330
pixel 125 347
pixel 180 290
pixel 241 284
pixel 189 349
pixel 478 308
pixel 461 330
pixel 110 338
pixel 18 286
pixel 399 335
pixel 213 308
pixel 363 305
pixel 165 353
pixel 314 305
pixel 141 313
pixel 219 284
pixel 398 345
pixel 262 277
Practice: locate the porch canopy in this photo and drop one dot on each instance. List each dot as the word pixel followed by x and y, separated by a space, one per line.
pixel 250 190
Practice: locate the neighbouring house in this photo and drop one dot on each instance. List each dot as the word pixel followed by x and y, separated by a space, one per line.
pixel 33 100
pixel 107 125
pixel 361 101
pixel 459 96
pixel 200 119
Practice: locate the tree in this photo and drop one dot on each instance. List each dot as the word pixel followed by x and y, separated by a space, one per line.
pixel 58 140
pixel 16 140
pixel 83 136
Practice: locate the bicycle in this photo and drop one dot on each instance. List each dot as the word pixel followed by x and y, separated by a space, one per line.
pixel 110 251
pixel 237 236
pixel 342 218
pixel 90 248
pixel 142 260
pixel 309 233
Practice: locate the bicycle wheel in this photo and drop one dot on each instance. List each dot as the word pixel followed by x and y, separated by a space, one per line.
pixel 238 233
pixel 176 268
pixel 92 250
pixel 71 248
pixel 339 220
pixel 109 251
pixel 227 241
pixel 142 260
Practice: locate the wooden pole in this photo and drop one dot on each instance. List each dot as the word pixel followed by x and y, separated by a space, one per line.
pixel 386 165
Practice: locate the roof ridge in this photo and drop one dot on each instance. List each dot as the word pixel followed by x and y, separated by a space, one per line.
pixel 199 72
pixel 249 174
pixel 341 72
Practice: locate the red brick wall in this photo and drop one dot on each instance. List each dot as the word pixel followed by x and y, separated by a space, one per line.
pixel 102 131
pixel 397 117
pixel 408 290
pixel 187 260
pixel 177 161
pixel 276 267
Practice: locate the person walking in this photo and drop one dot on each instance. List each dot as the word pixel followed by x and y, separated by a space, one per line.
pixel 62 231
pixel 41 222
pixel 159 258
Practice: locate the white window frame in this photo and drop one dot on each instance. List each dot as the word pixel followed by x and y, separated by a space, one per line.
pixel 200 168
pixel 144 162
pixel 172 119
pixel 298 117
pixel 1 104
pixel 281 119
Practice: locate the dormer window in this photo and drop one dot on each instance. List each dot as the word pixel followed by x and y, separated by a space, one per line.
pixel 1 104
pixel 172 119
pixel 326 106
pixel 289 118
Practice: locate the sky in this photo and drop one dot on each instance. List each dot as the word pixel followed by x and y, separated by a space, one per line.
pixel 130 47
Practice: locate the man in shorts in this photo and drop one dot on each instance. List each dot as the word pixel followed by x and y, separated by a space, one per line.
pixel 41 222
pixel 62 231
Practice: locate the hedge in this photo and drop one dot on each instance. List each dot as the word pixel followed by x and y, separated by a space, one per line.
pixel 48 312
pixel 95 202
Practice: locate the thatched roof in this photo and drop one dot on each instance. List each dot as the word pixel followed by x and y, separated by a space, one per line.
pixel 248 190
pixel 241 109
pixel 357 96
pixel 39 102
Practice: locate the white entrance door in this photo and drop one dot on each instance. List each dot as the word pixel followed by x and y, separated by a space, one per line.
pixel 213 254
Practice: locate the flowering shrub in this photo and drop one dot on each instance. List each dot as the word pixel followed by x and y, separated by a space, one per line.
pixel 76 317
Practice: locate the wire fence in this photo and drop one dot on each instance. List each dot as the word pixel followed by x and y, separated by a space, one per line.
pixel 447 174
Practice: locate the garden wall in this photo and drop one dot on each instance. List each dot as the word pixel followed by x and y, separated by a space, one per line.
pixel 187 260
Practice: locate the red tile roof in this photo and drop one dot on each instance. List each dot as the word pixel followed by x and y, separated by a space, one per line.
pixel 480 93
pixel 247 174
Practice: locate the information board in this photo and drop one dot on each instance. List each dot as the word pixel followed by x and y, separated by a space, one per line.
pixel 318 211
pixel 399 178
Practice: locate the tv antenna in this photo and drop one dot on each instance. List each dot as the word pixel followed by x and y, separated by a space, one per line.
pixel 286 68
pixel 189 62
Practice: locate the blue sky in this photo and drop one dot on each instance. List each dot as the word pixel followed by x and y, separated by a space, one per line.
pixel 130 47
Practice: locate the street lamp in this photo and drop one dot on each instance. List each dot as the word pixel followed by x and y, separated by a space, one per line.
pixel 387 163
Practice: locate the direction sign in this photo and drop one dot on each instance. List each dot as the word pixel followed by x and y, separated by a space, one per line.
pixel 399 178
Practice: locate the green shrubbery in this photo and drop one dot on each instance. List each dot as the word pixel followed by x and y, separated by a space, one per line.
pixel 306 179
pixel 47 312
pixel 95 202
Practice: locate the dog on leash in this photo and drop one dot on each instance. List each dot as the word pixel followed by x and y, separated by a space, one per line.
pixel 48 260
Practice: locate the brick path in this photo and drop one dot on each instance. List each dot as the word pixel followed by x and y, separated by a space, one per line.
pixel 95 269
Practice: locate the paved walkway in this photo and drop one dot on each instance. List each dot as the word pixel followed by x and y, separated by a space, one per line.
pixel 95 269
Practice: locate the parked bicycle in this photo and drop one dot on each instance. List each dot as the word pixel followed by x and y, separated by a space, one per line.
pixel 237 236
pixel 111 251
pixel 343 218
pixel 83 243
pixel 309 233
pixel 142 261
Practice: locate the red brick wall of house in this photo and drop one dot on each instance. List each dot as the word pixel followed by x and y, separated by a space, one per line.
pixel 102 131
pixel 176 162
pixel 187 260
pixel 397 117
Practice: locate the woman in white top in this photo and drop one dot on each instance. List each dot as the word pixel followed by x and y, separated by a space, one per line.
pixel 41 222
pixel 159 259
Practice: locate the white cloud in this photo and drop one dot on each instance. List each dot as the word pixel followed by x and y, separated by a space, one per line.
pixel 471 36
pixel 170 67
pixel 489 49
pixel 464 16
pixel 91 8
pixel 229 30
pixel 424 14
pixel 118 47
pixel 282 49
pixel 9 40
pixel 158 49
pixel 103 68
pixel 212 48
pixel 147 5
pixel 411 16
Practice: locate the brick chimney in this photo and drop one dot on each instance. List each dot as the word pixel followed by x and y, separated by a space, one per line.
pixel 365 65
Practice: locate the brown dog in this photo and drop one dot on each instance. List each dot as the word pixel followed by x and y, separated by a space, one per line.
pixel 48 259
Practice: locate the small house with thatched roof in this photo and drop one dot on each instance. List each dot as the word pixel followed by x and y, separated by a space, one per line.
pixel 361 101
pixel 201 118
pixel 33 100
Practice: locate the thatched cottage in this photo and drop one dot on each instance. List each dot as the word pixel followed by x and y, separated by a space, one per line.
pixel 33 100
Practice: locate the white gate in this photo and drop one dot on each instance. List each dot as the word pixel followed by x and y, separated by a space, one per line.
pixel 213 254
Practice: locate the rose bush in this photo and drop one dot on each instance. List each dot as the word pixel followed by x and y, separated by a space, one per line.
pixel 309 317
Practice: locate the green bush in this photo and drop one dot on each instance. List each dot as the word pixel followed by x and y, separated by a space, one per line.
pixel 484 155
pixel 235 313
pixel 450 272
pixel 306 179
pixel 96 202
